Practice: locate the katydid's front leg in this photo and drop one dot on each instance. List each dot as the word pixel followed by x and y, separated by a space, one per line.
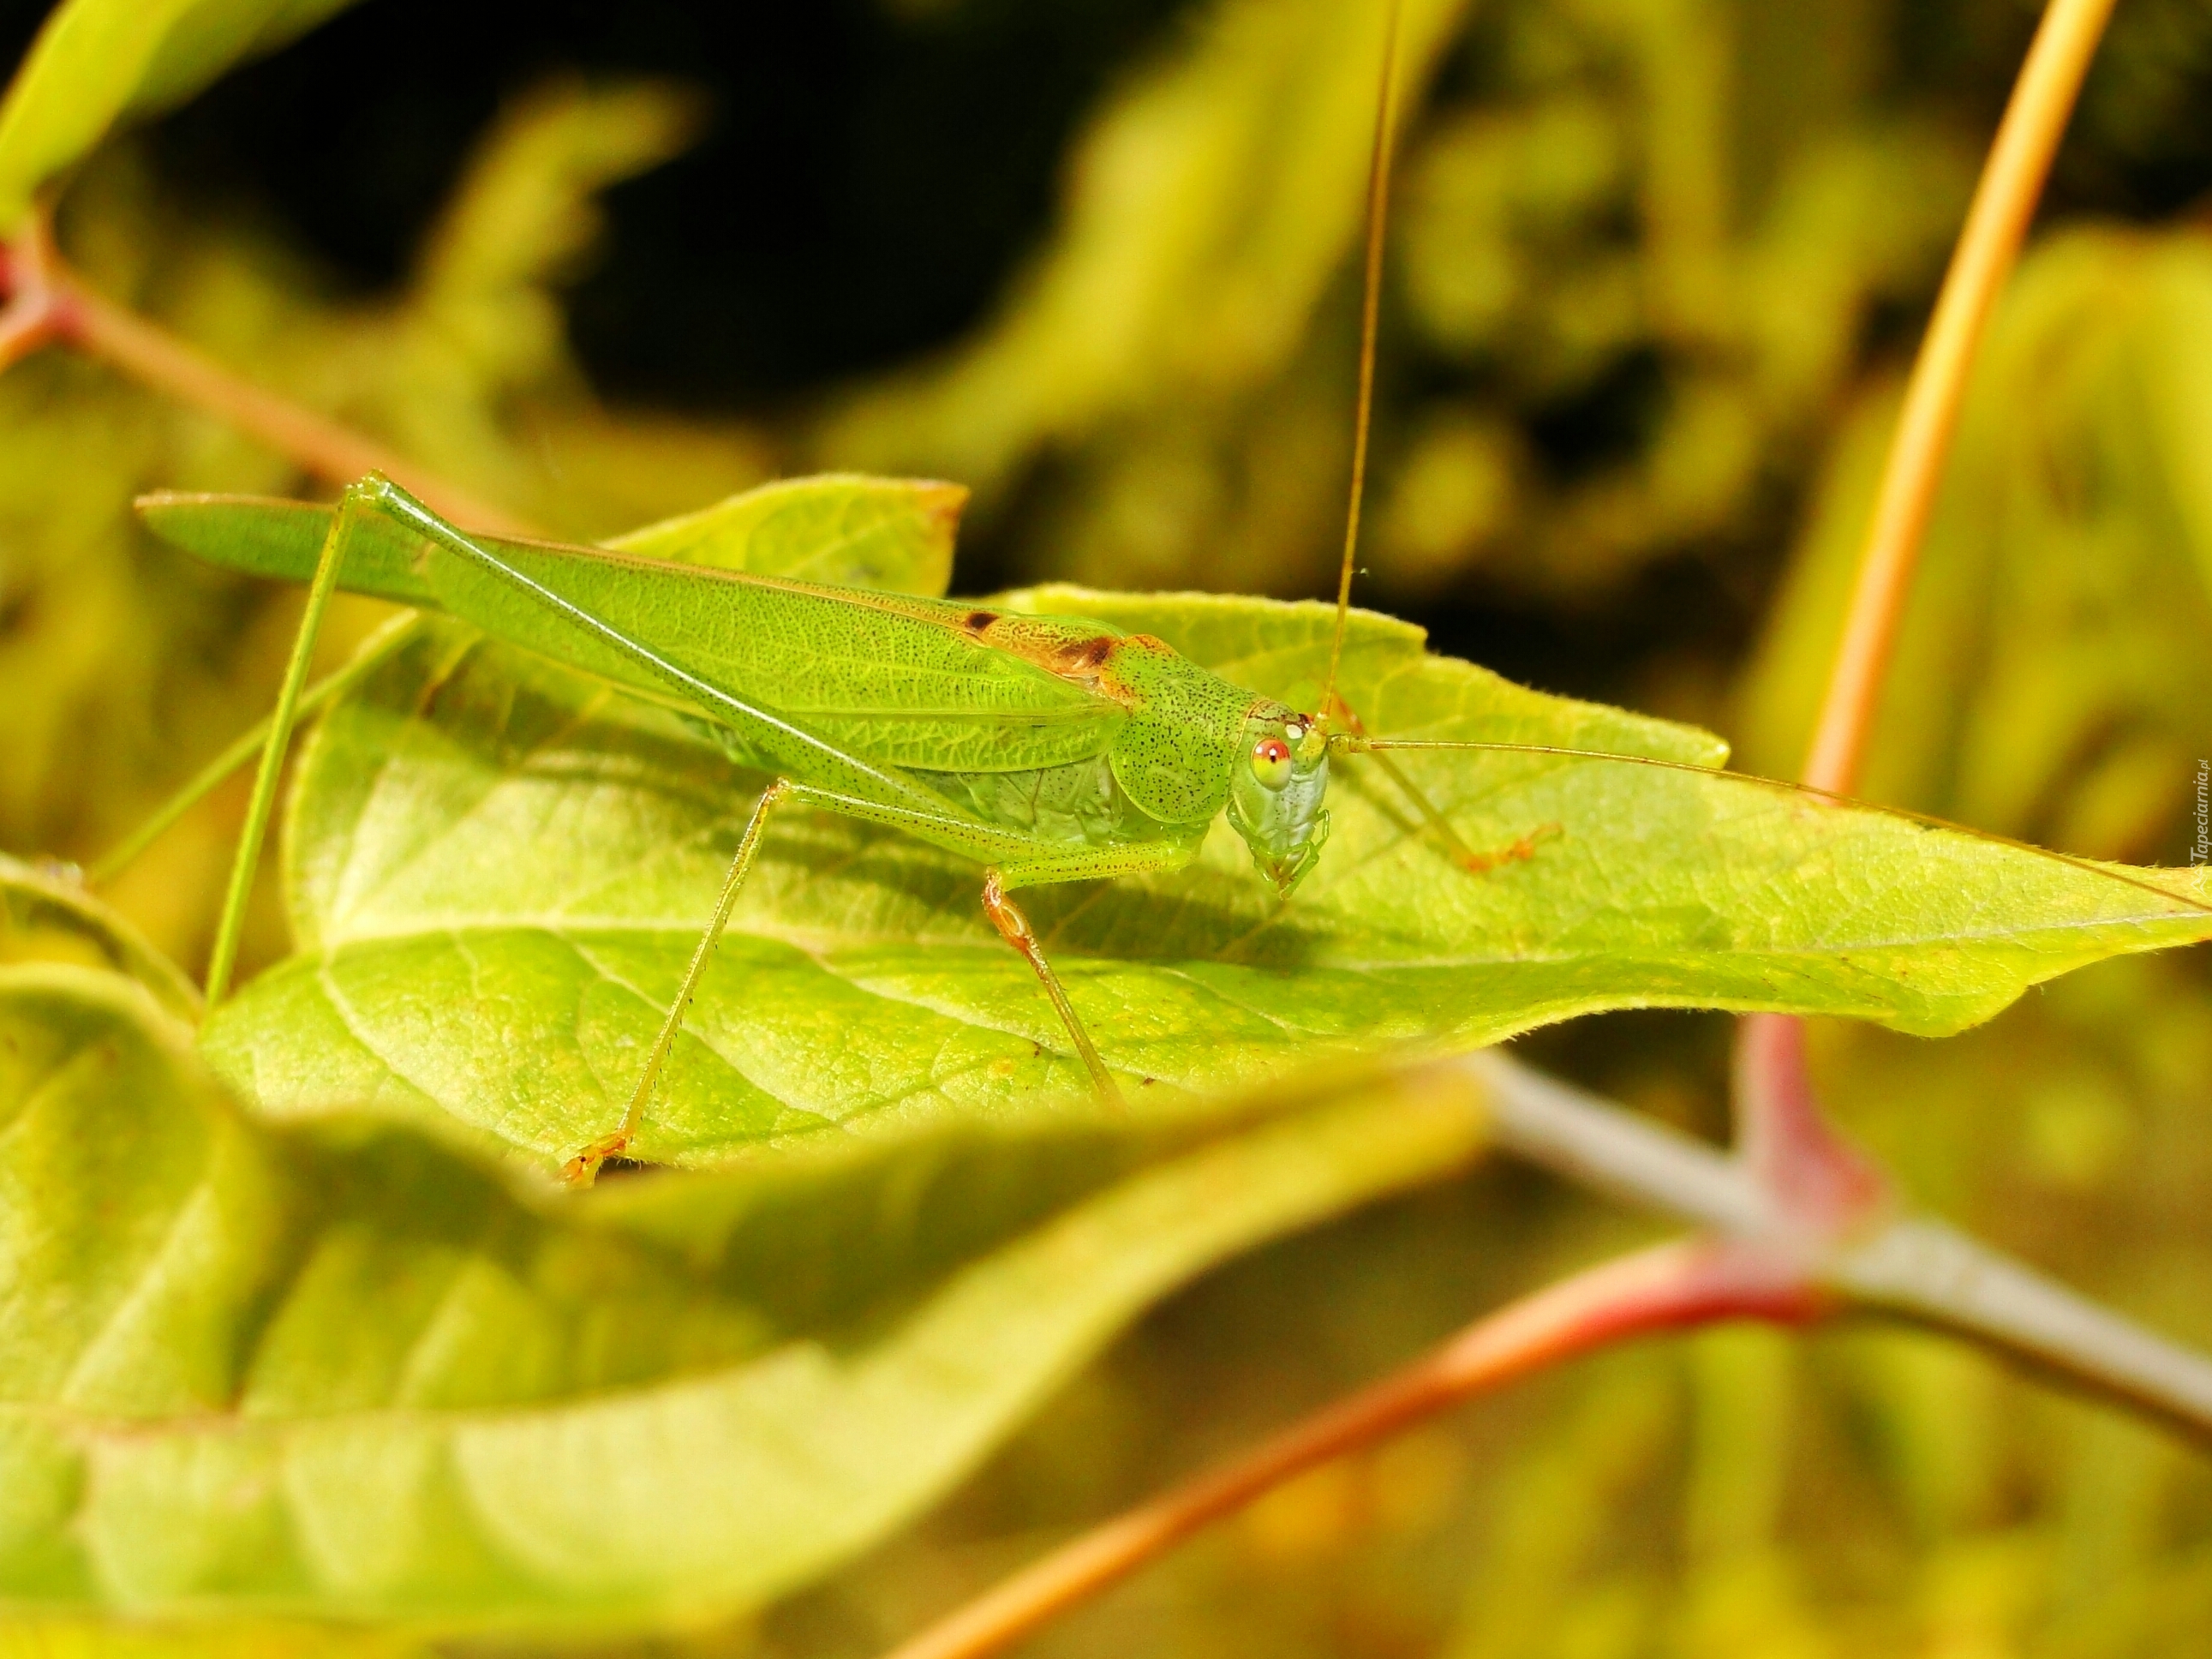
pixel 1131 858
pixel 1474 863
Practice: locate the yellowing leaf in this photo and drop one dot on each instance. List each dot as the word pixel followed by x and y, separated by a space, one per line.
pixel 348 1372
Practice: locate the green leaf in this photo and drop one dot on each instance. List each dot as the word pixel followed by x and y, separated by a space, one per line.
pixel 99 62
pixel 347 1370
pixel 497 872
pixel 45 917
pixel 894 535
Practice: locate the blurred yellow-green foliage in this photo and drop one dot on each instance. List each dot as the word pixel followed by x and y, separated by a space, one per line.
pixel 1655 268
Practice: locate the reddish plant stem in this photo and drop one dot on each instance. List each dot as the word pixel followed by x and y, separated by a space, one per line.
pixel 25 278
pixel 48 304
pixel 1819 1180
pixel 332 452
pixel 2004 201
pixel 1666 1288
pixel 1780 1127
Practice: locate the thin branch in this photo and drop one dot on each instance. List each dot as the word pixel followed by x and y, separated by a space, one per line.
pixel 1779 1126
pixel 1935 1275
pixel 1899 1264
pixel 25 274
pixel 1765 1255
pixel 24 326
pixel 2004 202
pixel 1676 1284
pixel 321 445
pixel 48 302
pixel 1785 1140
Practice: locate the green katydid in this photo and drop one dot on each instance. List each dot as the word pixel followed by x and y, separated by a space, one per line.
pixel 1047 749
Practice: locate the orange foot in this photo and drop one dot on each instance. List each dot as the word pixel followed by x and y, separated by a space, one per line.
pixel 1481 864
pixel 583 1169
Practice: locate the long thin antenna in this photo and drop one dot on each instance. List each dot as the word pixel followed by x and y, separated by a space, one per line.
pixel 1379 197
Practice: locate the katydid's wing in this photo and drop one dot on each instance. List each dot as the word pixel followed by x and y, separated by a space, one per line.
pixel 899 683
pixel 890 681
pixel 267 536
pixel 892 535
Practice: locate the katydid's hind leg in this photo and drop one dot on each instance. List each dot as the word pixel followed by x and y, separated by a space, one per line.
pixel 1014 927
pixel 1031 864
pixel 581 1169
pixel 1455 848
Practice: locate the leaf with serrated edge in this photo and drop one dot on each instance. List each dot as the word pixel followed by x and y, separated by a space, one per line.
pixel 345 1369
pixel 494 901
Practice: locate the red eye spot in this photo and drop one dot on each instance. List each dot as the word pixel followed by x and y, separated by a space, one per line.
pixel 1270 762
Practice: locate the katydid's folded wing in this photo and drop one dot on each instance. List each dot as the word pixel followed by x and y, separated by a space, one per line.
pixel 266 536
pixel 897 680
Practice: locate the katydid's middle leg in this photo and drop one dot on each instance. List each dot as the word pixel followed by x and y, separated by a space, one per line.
pixel 1012 861
pixel 1014 927
pixel 1131 858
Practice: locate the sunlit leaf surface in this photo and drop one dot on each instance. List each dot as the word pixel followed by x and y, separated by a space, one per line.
pixel 498 871
pixel 347 1370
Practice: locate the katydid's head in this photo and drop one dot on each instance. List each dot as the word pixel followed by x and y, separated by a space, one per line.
pixel 1275 791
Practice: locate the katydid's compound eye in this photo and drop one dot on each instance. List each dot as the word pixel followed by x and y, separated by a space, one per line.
pixel 1270 762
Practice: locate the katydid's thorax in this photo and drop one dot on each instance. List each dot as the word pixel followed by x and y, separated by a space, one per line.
pixel 1189 745
pixel 1160 774
pixel 1171 752
pixel 1079 804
